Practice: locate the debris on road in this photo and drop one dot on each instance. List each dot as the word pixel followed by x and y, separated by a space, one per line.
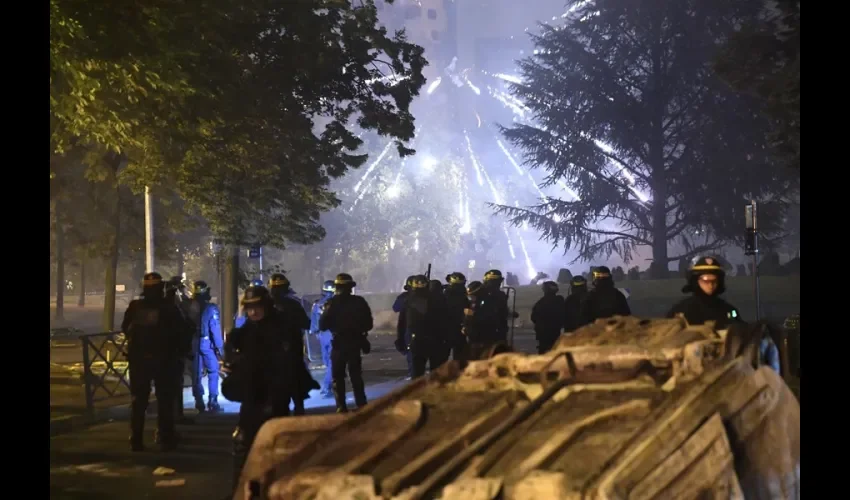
pixel 168 483
pixel 163 471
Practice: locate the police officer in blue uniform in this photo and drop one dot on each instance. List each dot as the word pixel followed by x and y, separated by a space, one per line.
pixel 325 336
pixel 206 346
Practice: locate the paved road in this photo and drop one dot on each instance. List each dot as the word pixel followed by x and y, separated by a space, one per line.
pixel 69 351
pixel 95 463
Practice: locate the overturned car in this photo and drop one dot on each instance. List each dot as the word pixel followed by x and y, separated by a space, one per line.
pixel 623 408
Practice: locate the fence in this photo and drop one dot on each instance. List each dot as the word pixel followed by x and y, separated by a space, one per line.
pixel 105 370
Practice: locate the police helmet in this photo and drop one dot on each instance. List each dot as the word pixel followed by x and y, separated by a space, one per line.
pixel 578 281
pixel 200 288
pixel 473 287
pixel 703 266
pixel 328 286
pixel 151 280
pixel 601 273
pixel 493 275
pixel 550 287
pixel 344 280
pixel 255 295
pixel 456 279
pixel 278 280
pixel 419 282
pixel 256 283
pixel 408 281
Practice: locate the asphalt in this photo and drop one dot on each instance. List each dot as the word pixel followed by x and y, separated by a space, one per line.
pixel 90 459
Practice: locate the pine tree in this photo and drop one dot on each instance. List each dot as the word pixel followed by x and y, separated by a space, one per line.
pixel 652 147
pixel 763 60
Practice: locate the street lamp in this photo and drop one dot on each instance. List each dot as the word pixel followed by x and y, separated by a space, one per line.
pixel 751 247
pixel 149 263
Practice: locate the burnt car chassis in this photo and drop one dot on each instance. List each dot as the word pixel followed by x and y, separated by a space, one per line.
pixel 624 408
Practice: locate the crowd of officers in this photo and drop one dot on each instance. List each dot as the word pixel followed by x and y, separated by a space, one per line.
pixel 167 330
pixel 264 354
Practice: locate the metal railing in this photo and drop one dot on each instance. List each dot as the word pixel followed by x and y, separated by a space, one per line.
pixel 105 370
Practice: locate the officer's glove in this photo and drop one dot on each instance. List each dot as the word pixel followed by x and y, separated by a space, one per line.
pixel 515 315
pixel 365 345
pixel 400 347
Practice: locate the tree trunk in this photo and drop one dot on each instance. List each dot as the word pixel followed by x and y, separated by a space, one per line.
pixel 230 294
pixel 60 269
pixel 111 274
pixel 82 300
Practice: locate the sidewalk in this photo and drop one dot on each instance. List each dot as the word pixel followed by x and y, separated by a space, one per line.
pixel 95 462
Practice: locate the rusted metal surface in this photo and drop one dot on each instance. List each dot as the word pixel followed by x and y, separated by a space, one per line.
pixel 621 409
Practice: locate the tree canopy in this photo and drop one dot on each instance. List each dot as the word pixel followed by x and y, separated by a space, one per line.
pixel 244 110
pixel 629 114
pixel 763 60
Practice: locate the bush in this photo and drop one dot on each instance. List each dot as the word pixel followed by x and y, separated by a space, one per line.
pixel 618 274
pixel 634 274
pixel 564 276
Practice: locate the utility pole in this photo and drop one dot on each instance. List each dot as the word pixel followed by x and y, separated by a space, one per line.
pixel 149 262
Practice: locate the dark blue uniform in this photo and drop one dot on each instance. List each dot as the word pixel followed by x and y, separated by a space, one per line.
pixel 206 347
pixel 153 328
pixel 401 329
pixel 325 338
pixel 349 318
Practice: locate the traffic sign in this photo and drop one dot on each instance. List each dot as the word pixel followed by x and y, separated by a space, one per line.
pixel 255 252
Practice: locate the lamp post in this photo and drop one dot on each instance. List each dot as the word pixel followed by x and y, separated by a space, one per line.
pixel 751 247
pixel 149 244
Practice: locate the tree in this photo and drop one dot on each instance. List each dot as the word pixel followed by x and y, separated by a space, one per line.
pixel 245 109
pixel 763 60
pixel 629 112
pixel 564 276
pixel 618 273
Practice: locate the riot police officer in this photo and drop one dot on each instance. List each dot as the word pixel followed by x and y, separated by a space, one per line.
pixel 206 346
pixel 401 329
pixel 706 282
pixel 349 318
pixel 297 322
pixel 604 300
pixel 548 317
pixel 426 313
pixel 573 304
pixel 240 318
pixel 325 336
pixel 479 324
pixel 153 328
pixel 456 303
pixel 175 291
pixel 496 303
pixel 259 355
